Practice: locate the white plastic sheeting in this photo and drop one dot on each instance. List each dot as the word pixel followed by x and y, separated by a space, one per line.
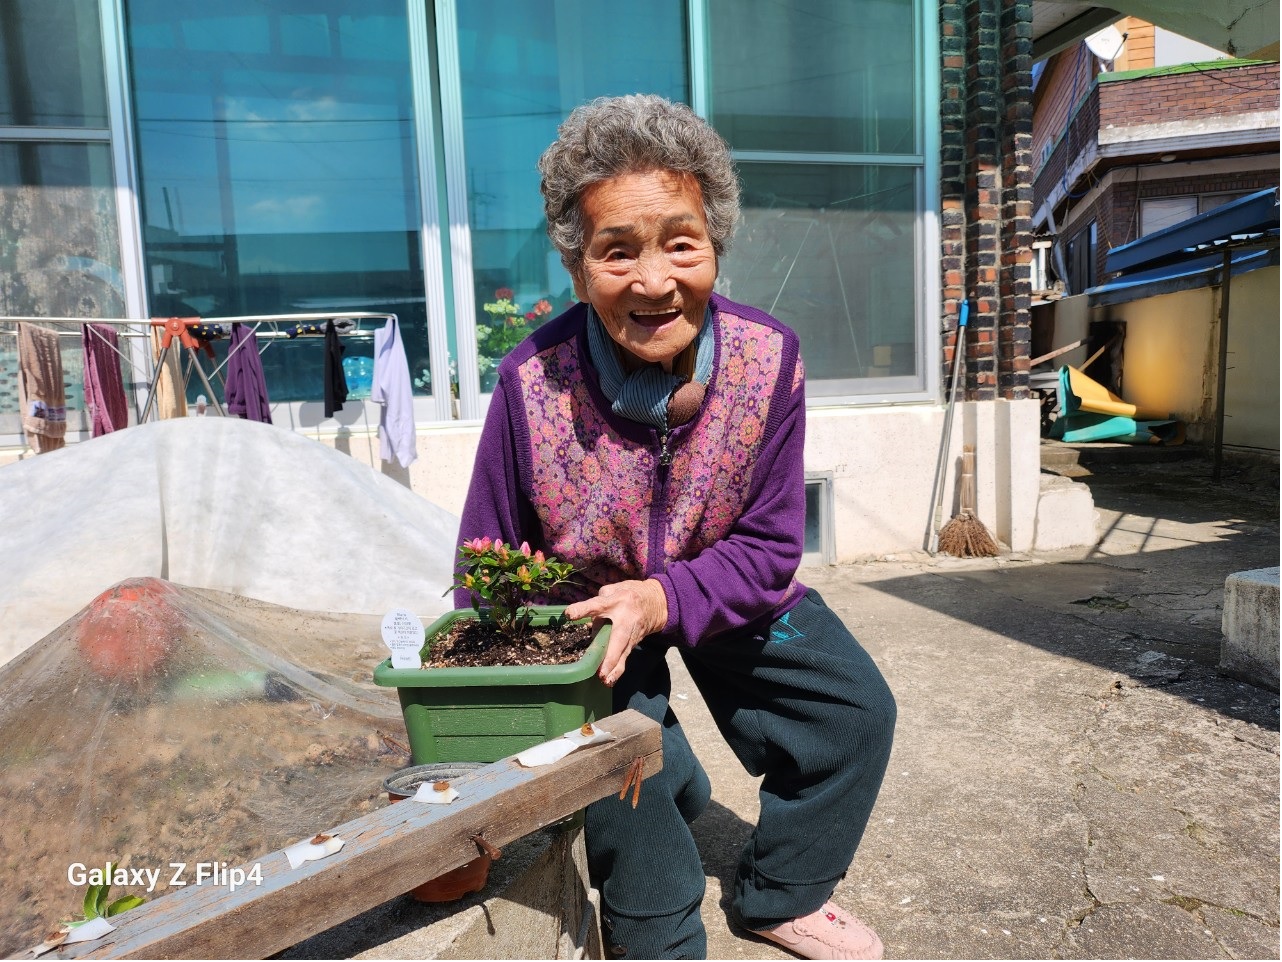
pixel 219 503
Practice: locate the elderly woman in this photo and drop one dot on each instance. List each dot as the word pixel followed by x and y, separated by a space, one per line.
pixel 652 435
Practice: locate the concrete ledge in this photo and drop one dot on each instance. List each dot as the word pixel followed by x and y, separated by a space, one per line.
pixel 1249 650
pixel 536 905
pixel 1066 516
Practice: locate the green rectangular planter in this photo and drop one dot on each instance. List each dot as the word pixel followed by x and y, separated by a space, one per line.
pixel 484 714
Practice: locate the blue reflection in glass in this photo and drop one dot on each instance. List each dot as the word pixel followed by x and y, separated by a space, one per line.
pixel 524 67
pixel 276 151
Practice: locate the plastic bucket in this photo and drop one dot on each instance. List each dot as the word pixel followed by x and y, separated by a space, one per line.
pixel 465 879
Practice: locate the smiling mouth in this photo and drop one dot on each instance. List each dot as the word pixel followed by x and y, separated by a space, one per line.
pixel 654 318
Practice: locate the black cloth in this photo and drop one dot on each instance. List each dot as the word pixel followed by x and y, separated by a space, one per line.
pixel 335 380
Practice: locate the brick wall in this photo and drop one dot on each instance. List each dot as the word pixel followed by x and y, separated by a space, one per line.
pixel 1079 136
pixel 1067 78
pixel 1200 95
pixel 986 189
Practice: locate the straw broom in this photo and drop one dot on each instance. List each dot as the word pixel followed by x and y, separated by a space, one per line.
pixel 965 535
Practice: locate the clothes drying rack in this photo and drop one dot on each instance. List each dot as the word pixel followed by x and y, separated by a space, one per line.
pixel 267 327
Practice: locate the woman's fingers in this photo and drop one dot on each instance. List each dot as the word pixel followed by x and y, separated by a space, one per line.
pixel 634 609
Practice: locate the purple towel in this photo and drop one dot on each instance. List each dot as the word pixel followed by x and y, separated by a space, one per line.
pixel 104 388
pixel 245 393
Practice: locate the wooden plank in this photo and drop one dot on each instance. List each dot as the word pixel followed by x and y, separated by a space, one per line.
pixel 1072 347
pixel 386 853
pixel 1094 357
pixel 1057 352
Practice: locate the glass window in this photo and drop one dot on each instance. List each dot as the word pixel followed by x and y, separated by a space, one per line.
pixel 1158 213
pixel 525 66
pixel 51 64
pixel 59 250
pixel 833 249
pixel 1082 252
pixel 277 166
pixel 1207 202
pixel 814 75
pixel 830 250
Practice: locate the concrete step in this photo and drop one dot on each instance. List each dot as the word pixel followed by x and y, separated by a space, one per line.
pixel 1059 457
pixel 1250 624
pixel 1066 515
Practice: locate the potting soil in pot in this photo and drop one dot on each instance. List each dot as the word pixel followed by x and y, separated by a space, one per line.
pixel 172 731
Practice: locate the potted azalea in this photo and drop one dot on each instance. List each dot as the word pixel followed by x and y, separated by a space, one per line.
pixel 505 674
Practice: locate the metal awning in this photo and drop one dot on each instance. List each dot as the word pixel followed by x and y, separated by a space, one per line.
pixel 1236 224
pixel 1202 251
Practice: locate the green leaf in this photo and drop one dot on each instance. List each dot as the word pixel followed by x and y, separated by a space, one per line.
pixel 124 904
pixel 91 902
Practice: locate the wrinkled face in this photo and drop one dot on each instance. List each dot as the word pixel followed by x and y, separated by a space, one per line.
pixel 648 266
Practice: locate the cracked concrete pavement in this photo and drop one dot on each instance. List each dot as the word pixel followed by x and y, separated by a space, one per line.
pixel 1071 777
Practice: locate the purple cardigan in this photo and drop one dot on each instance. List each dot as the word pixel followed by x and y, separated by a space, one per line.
pixel 716 514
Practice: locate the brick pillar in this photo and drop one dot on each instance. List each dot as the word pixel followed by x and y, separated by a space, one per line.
pixel 952 172
pixel 1014 332
pixel 983 194
pixel 986 189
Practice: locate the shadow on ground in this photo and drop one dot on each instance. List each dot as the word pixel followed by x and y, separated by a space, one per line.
pixel 1146 601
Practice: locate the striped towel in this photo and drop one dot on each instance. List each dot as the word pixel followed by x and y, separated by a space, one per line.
pixel 42 397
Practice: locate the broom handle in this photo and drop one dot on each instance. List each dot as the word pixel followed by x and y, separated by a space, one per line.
pixel 968 480
pixel 941 472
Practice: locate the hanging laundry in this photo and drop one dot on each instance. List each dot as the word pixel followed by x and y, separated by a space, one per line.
pixel 170 395
pixel 335 380
pixel 104 387
pixel 245 387
pixel 42 397
pixel 206 332
pixel 392 390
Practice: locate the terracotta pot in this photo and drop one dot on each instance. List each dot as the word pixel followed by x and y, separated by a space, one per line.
pixel 465 879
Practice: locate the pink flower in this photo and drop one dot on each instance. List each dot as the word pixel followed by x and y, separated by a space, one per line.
pixel 538 556
pixel 504 293
pixel 542 307
pixel 525 548
pixel 531 316
pixel 478 544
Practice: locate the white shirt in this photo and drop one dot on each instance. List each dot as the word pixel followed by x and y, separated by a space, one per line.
pixel 392 390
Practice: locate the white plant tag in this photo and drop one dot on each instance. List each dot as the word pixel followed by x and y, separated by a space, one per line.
pixel 558 748
pixel 93 929
pixel 403 634
pixel 430 794
pixel 311 850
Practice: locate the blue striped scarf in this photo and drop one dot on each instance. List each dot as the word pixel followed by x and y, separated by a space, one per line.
pixel 643 395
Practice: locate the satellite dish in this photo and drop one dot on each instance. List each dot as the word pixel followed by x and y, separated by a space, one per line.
pixel 1106 44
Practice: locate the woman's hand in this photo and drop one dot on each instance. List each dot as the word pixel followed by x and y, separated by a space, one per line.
pixel 634 609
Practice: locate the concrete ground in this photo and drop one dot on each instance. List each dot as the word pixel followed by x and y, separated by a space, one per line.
pixel 1071 776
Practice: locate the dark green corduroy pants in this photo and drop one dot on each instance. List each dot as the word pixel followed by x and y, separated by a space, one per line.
pixel 801 704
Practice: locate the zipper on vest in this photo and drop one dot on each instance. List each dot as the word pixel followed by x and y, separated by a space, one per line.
pixel 665 453
pixel 656 562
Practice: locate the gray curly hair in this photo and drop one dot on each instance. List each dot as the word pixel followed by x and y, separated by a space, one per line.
pixel 611 136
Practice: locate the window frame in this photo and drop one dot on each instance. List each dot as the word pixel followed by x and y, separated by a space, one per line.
pixel 865 392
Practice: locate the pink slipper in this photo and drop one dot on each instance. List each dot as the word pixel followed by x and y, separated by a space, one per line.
pixel 830 933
